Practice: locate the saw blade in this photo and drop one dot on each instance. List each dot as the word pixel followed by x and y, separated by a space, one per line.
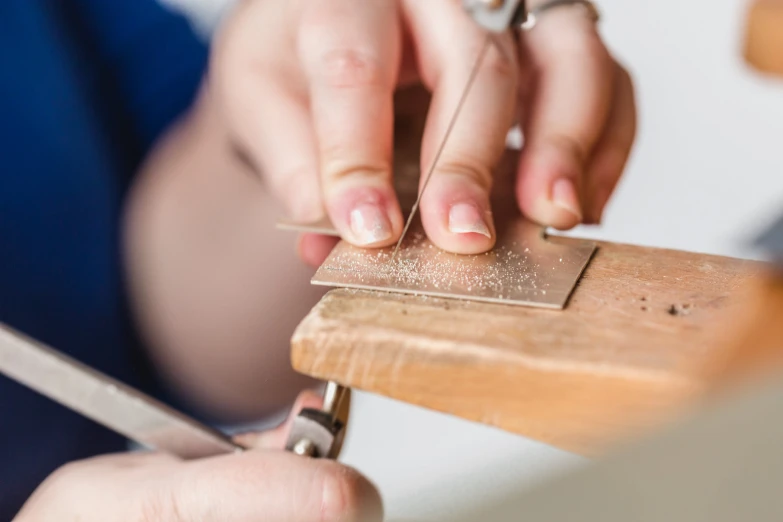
pixel 106 400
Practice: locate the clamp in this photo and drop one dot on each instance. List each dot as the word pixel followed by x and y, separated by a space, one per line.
pixel 320 433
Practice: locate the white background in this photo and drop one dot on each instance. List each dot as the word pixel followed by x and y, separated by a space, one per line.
pixel 705 176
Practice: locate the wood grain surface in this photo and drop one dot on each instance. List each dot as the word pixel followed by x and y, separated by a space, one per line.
pixel 627 352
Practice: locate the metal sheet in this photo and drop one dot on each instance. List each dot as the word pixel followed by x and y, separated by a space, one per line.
pixel 323 226
pixel 105 400
pixel 524 268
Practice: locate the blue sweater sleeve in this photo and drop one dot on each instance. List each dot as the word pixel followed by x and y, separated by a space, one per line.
pixel 156 61
pixel 154 54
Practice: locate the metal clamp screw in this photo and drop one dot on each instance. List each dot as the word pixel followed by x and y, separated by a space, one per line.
pixel 317 433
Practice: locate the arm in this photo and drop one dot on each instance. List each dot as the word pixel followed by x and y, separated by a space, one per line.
pixel 217 290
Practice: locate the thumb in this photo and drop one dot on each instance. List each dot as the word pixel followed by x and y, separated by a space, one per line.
pixel 274 486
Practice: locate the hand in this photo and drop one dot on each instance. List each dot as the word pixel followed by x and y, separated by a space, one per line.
pixel 307 89
pixel 259 484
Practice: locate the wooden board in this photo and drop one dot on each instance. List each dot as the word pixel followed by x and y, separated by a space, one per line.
pixel 732 446
pixel 625 354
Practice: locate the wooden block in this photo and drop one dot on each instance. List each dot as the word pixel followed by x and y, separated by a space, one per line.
pixel 752 347
pixel 617 360
pixel 763 45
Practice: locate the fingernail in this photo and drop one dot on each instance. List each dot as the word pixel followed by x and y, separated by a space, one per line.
pixel 466 218
pixel 564 196
pixel 369 224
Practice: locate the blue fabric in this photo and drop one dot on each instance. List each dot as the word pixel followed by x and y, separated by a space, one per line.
pixel 86 86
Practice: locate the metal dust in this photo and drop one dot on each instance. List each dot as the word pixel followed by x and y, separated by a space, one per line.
pixel 523 268
pixel 418 263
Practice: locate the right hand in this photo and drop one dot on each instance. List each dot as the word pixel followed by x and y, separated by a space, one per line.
pixel 263 483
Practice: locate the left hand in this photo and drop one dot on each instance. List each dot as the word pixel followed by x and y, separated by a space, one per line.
pixel 307 89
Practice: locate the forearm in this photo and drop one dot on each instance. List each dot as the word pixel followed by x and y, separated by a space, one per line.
pixel 217 291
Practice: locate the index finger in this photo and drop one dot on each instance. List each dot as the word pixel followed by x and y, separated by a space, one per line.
pixel 351 51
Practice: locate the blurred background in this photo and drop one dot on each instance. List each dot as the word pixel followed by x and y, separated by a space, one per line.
pixel 706 175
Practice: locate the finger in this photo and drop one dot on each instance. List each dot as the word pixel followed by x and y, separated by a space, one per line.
pixel 455 207
pixel 276 437
pixel 350 53
pixel 273 486
pixel 267 107
pixel 288 152
pixel 613 149
pixel 567 114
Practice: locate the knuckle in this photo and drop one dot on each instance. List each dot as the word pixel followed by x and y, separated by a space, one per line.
pixel 571 146
pixel 350 68
pixel 465 167
pixel 157 506
pixel 501 64
pixel 336 169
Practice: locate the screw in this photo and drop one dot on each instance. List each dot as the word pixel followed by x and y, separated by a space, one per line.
pixel 304 448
